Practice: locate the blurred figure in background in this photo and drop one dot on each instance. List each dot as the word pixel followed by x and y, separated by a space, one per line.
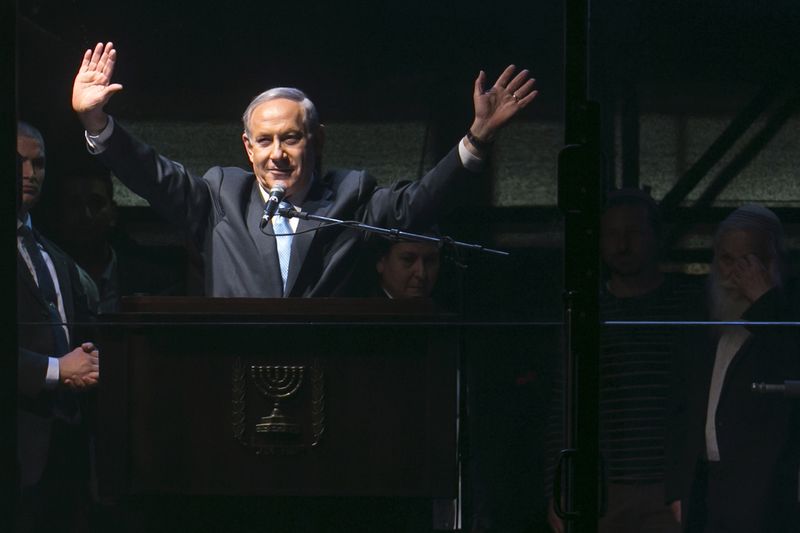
pixel 635 366
pixel 88 230
pixel 408 269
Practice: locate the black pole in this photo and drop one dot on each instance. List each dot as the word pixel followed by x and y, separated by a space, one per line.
pixel 9 489
pixel 579 198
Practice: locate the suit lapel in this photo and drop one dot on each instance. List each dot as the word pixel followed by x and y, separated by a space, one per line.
pixel 25 277
pixel 62 273
pixel 64 281
pixel 265 244
pixel 317 202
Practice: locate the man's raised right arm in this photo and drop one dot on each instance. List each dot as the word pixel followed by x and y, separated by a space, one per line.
pixel 92 88
pixel 167 185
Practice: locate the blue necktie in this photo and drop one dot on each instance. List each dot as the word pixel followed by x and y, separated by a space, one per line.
pixel 65 405
pixel 47 288
pixel 283 241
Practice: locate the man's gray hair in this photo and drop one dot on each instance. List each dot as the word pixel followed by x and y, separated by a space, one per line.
pixel 26 130
pixel 726 303
pixel 759 219
pixel 310 118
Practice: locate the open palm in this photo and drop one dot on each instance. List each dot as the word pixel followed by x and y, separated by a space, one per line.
pixel 93 88
pixel 496 106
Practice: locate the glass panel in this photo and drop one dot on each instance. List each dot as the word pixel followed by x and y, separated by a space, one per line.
pixel 393 84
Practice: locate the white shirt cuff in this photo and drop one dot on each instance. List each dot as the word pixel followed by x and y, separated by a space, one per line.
pixel 96 144
pixel 470 161
pixel 53 373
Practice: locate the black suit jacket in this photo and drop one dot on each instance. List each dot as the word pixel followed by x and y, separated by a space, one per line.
pixel 222 211
pixel 758 435
pixel 38 406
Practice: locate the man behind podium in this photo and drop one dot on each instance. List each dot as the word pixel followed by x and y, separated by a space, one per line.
pixel 53 444
pixel 283 139
pixel 408 269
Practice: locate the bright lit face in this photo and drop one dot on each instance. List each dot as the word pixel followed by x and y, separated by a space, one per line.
pixel 627 240
pixel 279 147
pixel 32 155
pixel 409 269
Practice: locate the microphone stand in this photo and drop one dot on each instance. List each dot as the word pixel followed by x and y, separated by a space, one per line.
pixel 789 389
pixel 462 378
pixel 395 233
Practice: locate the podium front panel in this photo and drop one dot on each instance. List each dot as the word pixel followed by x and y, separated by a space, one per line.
pixel 301 407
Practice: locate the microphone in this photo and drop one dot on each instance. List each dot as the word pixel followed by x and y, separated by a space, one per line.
pixel 276 194
pixel 790 389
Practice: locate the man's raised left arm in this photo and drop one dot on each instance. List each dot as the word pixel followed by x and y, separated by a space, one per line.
pixel 416 205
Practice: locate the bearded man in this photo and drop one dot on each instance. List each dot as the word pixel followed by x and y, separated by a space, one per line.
pixel 733 455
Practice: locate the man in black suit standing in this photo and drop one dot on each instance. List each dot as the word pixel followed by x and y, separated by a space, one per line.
pixel 52 437
pixel 733 455
pixel 283 139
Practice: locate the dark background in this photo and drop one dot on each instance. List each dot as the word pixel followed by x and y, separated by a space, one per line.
pixel 382 60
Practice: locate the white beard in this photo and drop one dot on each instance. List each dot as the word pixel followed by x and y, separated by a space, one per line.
pixel 726 301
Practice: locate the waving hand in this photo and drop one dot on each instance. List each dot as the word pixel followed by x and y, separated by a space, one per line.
pixel 497 105
pixel 93 88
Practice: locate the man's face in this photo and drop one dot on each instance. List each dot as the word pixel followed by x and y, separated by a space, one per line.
pixel 409 269
pixel 627 240
pixel 279 146
pixel 733 246
pixel 728 296
pixel 32 155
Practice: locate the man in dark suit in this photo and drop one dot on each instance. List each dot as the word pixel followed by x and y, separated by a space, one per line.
pixel 52 437
pixel 283 140
pixel 733 455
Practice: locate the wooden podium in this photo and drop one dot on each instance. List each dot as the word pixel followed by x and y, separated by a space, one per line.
pixel 314 397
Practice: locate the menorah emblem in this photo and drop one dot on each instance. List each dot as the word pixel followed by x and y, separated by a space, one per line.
pixel 278 383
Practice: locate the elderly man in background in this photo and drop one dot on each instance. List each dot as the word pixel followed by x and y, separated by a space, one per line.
pixel 733 455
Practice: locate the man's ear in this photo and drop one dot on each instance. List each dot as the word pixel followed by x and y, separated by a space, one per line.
pixel 318 142
pixel 247 146
pixel 379 266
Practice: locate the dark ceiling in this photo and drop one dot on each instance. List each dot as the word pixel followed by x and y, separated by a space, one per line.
pixel 379 60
